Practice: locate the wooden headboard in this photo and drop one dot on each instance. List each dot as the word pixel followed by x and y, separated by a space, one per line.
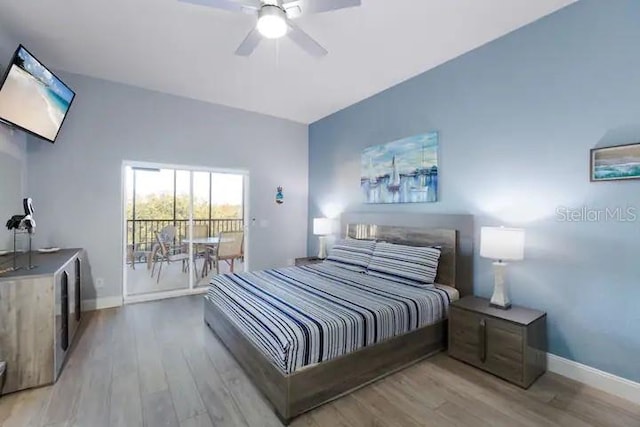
pixel 412 236
pixel 453 233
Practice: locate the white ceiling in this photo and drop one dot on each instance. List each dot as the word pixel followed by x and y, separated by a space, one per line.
pixel 187 50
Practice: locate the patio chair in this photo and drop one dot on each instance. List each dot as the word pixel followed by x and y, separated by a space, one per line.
pixel 164 251
pixel 228 249
pixel 200 231
pixel 168 235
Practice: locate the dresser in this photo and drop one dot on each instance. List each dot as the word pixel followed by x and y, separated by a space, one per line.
pixel 40 312
pixel 511 344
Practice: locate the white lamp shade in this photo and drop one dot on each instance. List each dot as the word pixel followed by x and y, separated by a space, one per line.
pixel 500 243
pixel 322 226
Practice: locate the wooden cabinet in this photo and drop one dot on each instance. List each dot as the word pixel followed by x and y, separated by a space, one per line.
pixel 511 344
pixel 40 311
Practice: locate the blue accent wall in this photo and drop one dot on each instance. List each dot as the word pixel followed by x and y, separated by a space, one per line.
pixel 517 118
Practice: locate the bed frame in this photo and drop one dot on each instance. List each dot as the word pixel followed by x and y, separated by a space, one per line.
pixel 311 386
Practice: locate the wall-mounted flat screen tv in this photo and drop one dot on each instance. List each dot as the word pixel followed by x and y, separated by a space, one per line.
pixel 33 98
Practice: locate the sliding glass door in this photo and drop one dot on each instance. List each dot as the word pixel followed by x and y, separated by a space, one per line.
pixel 225 206
pixel 182 226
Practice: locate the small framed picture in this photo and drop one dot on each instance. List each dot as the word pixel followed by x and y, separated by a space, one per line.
pixel 615 163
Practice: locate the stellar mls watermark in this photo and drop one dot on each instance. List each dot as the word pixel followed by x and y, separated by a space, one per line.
pixel 589 214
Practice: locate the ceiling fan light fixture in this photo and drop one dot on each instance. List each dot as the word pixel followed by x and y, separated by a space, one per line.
pixel 272 22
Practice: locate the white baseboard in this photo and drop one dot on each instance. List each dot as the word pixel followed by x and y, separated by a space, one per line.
pixel 101 303
pixel 595 378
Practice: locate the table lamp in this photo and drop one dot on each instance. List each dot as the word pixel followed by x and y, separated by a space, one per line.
pixel 501 244
pixel 322 227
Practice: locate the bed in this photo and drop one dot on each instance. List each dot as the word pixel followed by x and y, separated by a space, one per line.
pixel 307 335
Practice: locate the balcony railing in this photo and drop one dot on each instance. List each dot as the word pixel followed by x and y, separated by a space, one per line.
pixel 141 232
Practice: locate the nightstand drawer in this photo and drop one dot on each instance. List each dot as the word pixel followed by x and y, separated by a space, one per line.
pixel 505 339
pixel 505 349
pixel 465 335
pixel 504 367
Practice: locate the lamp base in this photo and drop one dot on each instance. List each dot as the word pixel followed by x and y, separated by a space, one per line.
pixel 500 298
pixel 501 307
pixel 322 253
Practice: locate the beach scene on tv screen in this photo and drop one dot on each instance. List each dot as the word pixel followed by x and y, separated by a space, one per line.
pixel 33 98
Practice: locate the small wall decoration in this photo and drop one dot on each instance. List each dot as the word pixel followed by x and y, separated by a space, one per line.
pixel 279 196
pixel 615 163
pixel 402 171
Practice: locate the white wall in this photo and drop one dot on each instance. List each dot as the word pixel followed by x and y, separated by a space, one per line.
pixel 12 159
pixel 12 179
pixel 76 182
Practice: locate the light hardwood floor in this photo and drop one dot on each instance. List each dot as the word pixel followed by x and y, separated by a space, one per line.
pixel 157 364
pixel 140 282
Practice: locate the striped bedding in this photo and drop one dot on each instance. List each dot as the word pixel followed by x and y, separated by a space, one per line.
pixel 299 316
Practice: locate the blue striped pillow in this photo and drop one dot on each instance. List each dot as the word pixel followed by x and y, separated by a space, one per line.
pixel 352 253
pixel 402 263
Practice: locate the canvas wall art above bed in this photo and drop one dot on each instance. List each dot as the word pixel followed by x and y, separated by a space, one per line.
pixel 402 171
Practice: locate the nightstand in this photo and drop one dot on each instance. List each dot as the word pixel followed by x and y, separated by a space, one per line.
pixel 308 260
pixel 511 344
pixel 3 367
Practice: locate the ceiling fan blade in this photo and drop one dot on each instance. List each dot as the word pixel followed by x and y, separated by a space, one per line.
pixel 305 41
pixel 232 5
pixel 319 6
pixel 250 43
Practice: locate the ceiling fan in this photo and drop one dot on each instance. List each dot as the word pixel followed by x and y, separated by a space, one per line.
pixel 275 20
